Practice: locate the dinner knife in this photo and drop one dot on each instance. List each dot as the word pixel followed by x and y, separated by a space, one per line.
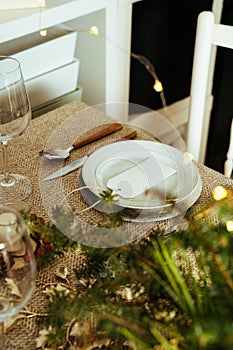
pixel 80 162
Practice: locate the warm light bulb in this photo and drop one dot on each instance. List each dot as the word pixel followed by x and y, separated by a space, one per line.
pixel 94 30
pixel 2 246
pixel 219 192
pixel 43 32
pixel 229 225
pixel 158 87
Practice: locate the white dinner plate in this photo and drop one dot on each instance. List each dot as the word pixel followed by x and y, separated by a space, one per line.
pixel 169 198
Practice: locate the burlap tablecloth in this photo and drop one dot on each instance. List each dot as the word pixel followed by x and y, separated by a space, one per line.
pixel 25 159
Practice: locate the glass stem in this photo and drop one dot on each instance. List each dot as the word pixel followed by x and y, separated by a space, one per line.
pixel 7 179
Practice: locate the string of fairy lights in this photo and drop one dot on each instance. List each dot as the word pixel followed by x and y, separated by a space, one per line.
pixel 94 30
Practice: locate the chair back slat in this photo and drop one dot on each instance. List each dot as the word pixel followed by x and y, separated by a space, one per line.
pixel 209 36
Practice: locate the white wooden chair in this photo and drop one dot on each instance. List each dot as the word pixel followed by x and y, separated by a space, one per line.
pixel 209 36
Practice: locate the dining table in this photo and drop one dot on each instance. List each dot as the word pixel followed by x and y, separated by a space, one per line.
pixel 60 128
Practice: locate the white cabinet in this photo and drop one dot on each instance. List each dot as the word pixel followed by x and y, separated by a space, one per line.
pixel 104 60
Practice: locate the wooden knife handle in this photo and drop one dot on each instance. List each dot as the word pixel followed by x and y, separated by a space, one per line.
pixel 129 136
pixel 97 135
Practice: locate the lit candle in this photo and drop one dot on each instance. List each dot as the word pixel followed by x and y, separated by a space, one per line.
pixel 8 232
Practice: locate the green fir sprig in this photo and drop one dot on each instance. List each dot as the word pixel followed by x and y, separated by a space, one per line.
pixel 157 294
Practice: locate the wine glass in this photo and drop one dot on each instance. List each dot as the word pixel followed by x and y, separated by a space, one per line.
pixel 15 115
pixel 17 265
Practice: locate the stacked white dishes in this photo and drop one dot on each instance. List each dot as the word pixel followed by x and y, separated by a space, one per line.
pixel 153 181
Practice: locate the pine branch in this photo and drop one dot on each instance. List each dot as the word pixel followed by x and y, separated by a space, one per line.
pixel 175 293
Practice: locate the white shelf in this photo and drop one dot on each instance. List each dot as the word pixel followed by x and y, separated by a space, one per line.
pixel 16 23
pixel 117 13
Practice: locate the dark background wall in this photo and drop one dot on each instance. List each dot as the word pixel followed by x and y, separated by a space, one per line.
pixel 164 32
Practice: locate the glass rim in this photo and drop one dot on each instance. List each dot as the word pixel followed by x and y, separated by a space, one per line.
pixel 13 59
